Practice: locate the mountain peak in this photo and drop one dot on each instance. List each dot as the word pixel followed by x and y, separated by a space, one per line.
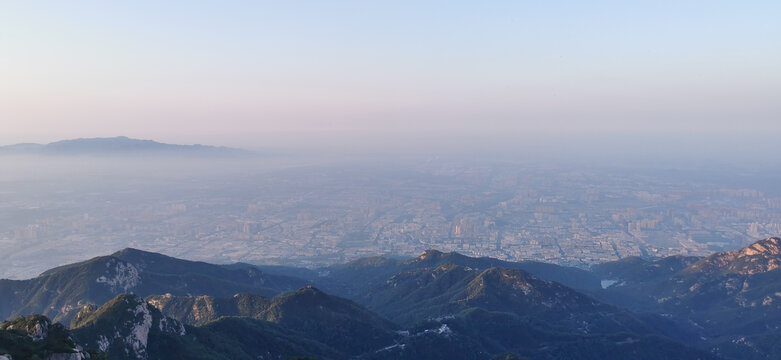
pixel 117 306
pixel 37 337
pixel 35 326
pixel 128 250
pixel 769 246
pixel 143 257
pixel 305 295
pixel 140 320
pixel 516 291
pixel 761 256
pixel 309 289
pixel 431 253
pixel 436 255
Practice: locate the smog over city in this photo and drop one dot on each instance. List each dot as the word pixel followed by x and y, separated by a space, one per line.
pixel 424 174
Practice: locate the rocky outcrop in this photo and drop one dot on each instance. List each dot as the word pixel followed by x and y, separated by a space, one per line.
pixel 123 326
pixel 759 257
pixel 35 336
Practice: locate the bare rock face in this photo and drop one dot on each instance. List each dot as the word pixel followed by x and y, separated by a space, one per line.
pixel 61 293
pixel 759 257
pixel 120 276
pixel 123 326
pixel 768 246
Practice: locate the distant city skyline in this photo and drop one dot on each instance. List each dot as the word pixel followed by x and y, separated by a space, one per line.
pixel 238 74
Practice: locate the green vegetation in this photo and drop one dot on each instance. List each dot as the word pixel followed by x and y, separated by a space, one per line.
pixel 436 306
pixel 336 322
pixel 98 280
pixel 34 337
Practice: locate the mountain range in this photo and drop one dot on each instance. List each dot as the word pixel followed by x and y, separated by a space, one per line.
pixel 60 293
pixel 119 145
pixel 140 305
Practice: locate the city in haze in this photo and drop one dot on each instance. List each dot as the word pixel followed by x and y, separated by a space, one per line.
pixel 390 180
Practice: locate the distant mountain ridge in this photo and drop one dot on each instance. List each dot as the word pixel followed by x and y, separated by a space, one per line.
pixel 120 145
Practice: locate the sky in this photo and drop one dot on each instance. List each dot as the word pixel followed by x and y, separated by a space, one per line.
pixel 249 73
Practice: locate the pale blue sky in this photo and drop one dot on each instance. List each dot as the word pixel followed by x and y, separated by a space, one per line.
pixel 232 72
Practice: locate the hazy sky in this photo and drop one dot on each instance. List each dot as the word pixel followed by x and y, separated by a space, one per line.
pixel 233 72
